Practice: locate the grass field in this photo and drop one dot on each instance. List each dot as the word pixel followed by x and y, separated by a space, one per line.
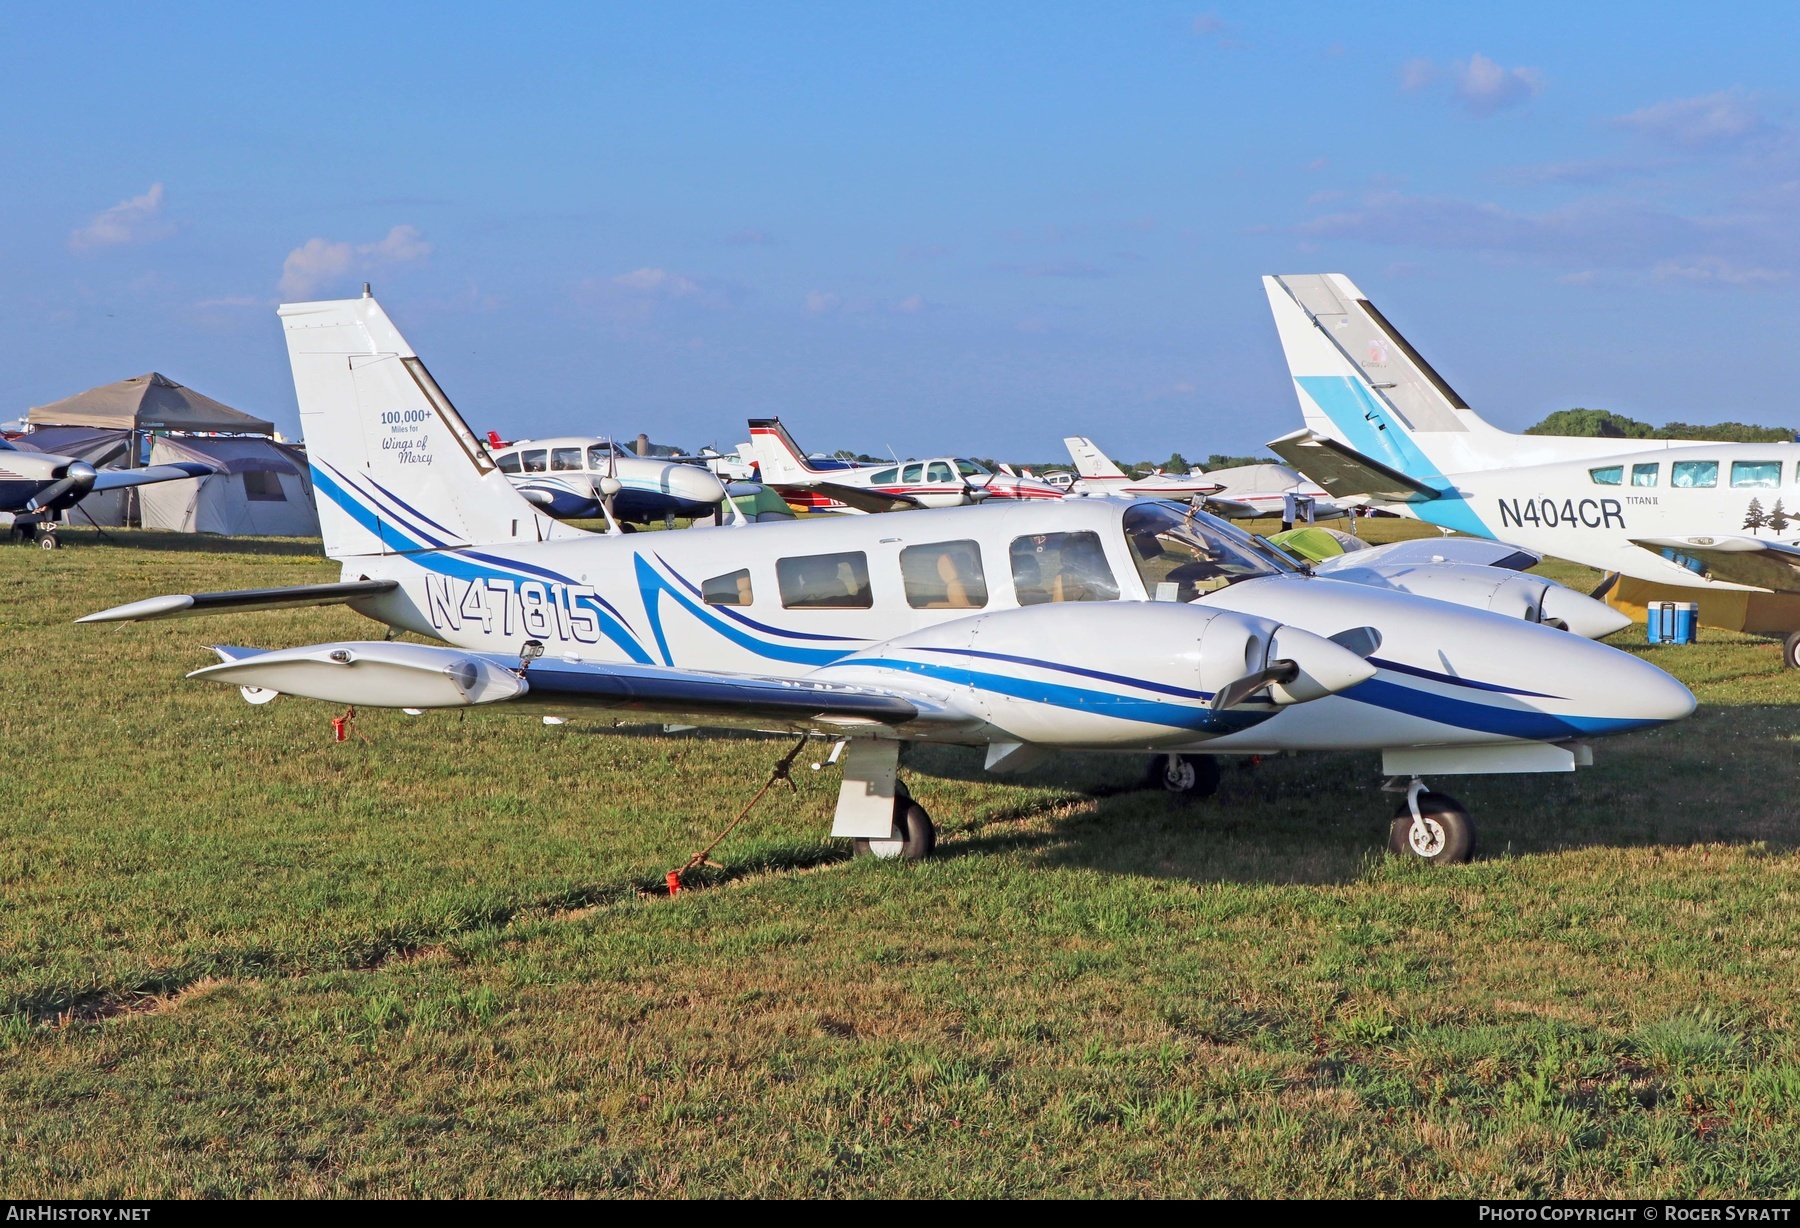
pixel 238 958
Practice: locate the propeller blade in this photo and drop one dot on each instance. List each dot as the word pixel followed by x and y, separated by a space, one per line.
pixel 1235 693
pixel 78 477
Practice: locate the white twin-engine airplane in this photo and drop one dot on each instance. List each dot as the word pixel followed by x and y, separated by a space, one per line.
pixel 1381 423
pixel 840 486
pixel 1093 624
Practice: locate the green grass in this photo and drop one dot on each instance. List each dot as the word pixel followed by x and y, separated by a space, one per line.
pixel 239 958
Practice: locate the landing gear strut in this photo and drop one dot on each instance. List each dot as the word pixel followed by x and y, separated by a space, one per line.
pixel 35 529
pixel 1187 776
pixel 1431 826
pixel 914 837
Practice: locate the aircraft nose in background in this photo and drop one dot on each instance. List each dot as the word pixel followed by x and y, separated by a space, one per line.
pixel 693 483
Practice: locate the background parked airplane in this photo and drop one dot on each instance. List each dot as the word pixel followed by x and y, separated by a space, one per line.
pixel 573 477
pixel 1130 626
pixel 834 486
pixel 1243 492
pixel 35 486
pixel 1381 423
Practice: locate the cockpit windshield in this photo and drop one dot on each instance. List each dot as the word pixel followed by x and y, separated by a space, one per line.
pixel 971 469
pixel 1183 552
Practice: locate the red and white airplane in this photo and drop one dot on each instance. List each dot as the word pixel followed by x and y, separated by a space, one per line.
pixel 821 485
pixel 1243 493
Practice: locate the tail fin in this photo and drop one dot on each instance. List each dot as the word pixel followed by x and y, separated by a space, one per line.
pixel 396 468
pixel 781 460
pixel 1090 461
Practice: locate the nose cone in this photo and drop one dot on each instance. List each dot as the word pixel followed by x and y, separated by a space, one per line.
pixel 1582 614
pixel 1656 697
pixel 694 484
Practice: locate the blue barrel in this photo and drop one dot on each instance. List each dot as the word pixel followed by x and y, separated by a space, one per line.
pixel 1674 622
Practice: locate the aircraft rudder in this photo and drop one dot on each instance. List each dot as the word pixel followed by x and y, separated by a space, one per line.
pixel 779 457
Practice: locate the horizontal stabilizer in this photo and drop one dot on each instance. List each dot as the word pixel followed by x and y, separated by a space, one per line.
pixel 117 479
pixel 864 499
pixel 1345 472
pixel 242 601
pixel 1734 560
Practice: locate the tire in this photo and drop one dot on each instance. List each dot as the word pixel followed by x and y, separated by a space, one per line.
pixel 1449 836
pixel 1186 776
pixel 1790 651
pixel 48 541
pixel 915 838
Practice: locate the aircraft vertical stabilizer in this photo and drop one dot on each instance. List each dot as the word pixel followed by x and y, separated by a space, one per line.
pixel 780 458
pixel 395 467
pixel 1090 461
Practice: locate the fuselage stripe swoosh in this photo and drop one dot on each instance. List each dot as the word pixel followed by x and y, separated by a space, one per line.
pixel 1097 675
pixel 651 584
pixel 1453 680
pixel 1524 724
pixel 751 622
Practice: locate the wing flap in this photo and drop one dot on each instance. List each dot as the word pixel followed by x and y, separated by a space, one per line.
pixel 1735 560
pixel 242 601
pixel 1346 472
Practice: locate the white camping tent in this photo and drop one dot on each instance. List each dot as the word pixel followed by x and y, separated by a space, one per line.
pixel 262 490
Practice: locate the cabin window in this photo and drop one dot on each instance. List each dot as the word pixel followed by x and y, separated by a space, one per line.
pixel 1610 475
pixel 564 459
pixel 1644 475
pixel 913 474
pixel 1764 475
pixel 944 576
pixel 1179 555
pixel 509 462
pixel 1686 474
pixel 262 486
pixel 732 589
pixel 825 582
pixel 940 471
pixel 534 461
pixel 885 478
pixel 1061 567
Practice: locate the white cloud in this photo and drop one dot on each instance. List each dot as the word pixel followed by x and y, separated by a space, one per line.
pixel 317 263
pixel 1415 75
pixel 818 302
pixel 136 220
pixel 1710 121
pixel 912 304
pixel 1712 269
pixel 659 282
pixel 1484 87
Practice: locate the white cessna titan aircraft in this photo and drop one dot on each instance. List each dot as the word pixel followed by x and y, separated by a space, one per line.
pixel 1380 422
pixel 1132 626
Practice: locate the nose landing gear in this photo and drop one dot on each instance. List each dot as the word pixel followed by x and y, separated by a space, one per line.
pixel 1189 777
pixel 1431 826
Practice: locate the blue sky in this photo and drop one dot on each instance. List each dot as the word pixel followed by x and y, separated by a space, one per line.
pixel 968 228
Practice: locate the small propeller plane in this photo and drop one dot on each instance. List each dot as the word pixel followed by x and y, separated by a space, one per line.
pixel 1132 626
pixel 1384 425
pixel 35 486
pixel 1244 492
pixel 578 477
pixel 841 486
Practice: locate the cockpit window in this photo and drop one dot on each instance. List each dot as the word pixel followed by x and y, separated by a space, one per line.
pixel 1050 567
pixel 971 469
pixel 562 459
pixel 1182 554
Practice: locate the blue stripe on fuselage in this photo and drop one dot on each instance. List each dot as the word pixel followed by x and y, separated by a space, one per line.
pixel 1369 427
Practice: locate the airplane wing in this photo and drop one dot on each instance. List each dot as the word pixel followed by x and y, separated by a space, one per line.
pixel 1346 472
pixel 864 499
pixel 1478 551
pixel 384 674
pixel 116 479
pixel 1736 560
pixel 241 601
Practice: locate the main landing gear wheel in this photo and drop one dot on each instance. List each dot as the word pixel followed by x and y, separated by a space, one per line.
pixel 47 539
pixel 1186 776
pixel 914 836
pixel 1790 651
pixel 1444 834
